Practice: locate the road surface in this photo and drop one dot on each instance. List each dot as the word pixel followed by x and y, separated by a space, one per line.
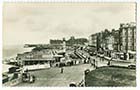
pixel 53 77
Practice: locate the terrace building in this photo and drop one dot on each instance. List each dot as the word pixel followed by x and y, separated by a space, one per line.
pixel 128 39
pixel 93 41
pixel 116 37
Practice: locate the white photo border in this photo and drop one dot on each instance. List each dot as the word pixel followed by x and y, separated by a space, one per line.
pixel 78 88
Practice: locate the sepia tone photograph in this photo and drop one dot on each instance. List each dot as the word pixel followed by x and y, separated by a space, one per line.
pixel 69 44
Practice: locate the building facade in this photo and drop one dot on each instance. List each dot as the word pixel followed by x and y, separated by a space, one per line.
pixel 93 40
pixel 121 41
pixel 116 37
pixel 128 37
pixel 109 42
pixel 36 57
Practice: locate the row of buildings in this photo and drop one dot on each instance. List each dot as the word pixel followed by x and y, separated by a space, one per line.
pixel 122 40
pixel 70 42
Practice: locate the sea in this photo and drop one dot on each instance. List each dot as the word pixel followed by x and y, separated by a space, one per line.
pixel 11 51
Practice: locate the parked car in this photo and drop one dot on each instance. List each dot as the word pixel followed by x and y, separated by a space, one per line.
pixel 27 77
pixel 5 78
pixel 72 84
pixel 132 66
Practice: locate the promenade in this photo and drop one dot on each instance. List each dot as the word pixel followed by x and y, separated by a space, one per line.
pixel 53 77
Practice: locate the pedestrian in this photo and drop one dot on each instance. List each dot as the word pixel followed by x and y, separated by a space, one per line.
pixel 62 69
pixel 94 65
pixel 109 62
pixel 94 62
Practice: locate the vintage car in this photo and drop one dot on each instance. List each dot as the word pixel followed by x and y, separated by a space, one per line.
pixel 27 77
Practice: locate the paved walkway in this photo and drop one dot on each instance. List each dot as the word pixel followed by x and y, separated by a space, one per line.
pixel 53 77
pixel 103 62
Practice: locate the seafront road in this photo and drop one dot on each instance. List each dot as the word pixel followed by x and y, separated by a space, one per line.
pixel 52 76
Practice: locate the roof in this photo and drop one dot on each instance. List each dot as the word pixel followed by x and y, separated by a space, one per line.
pixel 132 52
pixel 39 59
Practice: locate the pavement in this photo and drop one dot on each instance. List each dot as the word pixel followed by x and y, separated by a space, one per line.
pixel 52 77
pixel 103 62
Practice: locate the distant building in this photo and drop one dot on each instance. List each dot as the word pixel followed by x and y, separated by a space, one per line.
pixel 70 42
pixel 108 45
pixel 35 45
pixel 99 42
pixel 76 41
pixel 56 42
pixel 96 42
pixel 116 37
pixel 109 42
pixel 93 41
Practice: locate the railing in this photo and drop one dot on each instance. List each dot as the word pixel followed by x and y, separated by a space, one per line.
pixel 81 83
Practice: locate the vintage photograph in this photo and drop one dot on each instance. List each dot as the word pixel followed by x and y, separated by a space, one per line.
pixel 69 44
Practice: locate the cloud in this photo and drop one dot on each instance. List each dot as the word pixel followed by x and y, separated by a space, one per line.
pixel 39 22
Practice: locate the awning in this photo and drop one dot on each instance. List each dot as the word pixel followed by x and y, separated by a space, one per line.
pixel 132 52
pixel 40 59
pixel 58 56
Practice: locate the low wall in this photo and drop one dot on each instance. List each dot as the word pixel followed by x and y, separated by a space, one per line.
pixel 35 67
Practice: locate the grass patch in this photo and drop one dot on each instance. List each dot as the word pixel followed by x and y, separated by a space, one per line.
pixel 111 76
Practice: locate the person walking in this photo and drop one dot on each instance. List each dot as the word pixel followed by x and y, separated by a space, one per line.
pixel 62 70
pixel 109 62
pixel 94 61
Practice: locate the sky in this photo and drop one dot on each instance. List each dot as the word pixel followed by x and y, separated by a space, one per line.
pixel 37 23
